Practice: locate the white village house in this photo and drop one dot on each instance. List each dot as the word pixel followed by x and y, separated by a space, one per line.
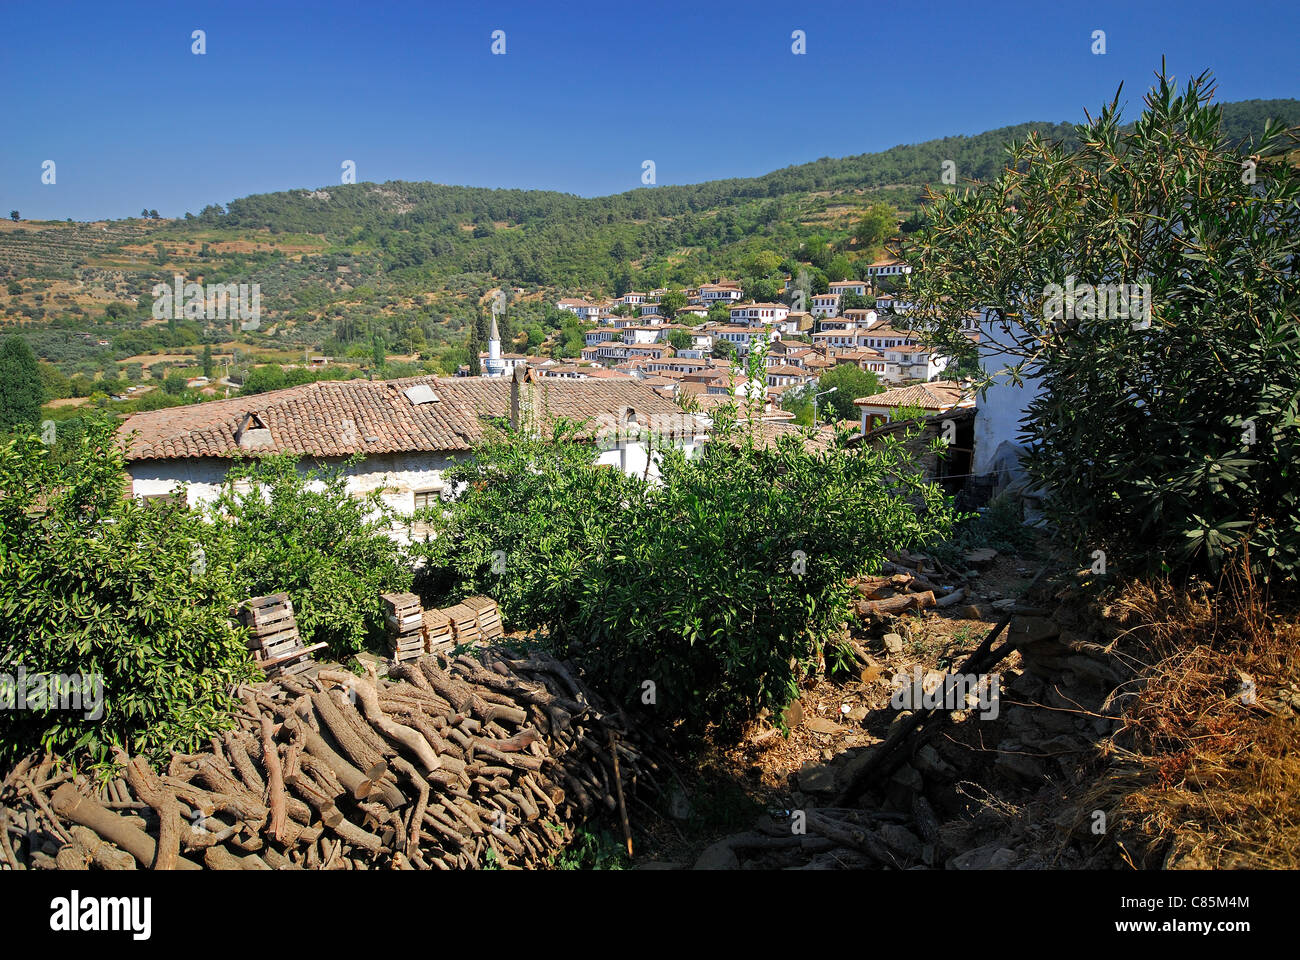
pixel 409 431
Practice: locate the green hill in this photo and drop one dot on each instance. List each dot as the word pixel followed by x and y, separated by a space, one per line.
pixel 402 268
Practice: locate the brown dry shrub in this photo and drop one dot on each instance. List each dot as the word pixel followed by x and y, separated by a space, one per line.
pixel 1202 775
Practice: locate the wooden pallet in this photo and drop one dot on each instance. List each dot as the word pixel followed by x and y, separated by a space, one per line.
pixel 487 615
pixel 274 640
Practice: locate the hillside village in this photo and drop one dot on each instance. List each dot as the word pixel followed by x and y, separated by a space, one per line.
pixel 632 389
pixel 686 357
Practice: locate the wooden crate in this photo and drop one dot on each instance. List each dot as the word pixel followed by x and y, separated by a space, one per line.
pixel 274 640
pixel 464 623
pixel 487 615
pixel 404 618
pixel 439 634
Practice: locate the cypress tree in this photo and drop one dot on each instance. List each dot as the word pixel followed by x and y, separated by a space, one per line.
pixel 21 393
pixel 475 366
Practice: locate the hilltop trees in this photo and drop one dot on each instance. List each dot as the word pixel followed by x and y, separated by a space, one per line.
pixel 877 225
pixel 21 391
pixel 1148 280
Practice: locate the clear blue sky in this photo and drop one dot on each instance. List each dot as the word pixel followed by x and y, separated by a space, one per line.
pixel 585 92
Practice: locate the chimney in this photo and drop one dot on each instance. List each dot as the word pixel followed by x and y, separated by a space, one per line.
pixel 516 385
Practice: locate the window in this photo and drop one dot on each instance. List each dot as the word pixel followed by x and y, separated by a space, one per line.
pixel 175 497
pixel 427 498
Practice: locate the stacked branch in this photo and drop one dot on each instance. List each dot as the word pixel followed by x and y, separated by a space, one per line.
pixel 446 764
pixel 900 589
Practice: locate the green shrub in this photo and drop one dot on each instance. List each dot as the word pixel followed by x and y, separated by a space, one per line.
pixel 1170 439
pixel 535 514
pixel 720 586
pixel 281 528
pixel 95 584
pixel 1000 526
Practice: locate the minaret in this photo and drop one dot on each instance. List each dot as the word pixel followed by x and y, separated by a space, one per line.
pixel 494 366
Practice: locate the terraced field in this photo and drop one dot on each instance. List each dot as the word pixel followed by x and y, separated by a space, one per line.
pixel 36 246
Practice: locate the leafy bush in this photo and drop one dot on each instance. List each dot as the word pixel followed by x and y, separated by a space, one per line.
pixel 720 585
pixel 280 528
pixel 1171 438
pixel 535 513
pixel 21 388
pixel 95 584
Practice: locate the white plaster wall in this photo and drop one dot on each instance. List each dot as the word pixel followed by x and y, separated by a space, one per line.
pixel 1002 407
pixel 398 475
pixel 631 458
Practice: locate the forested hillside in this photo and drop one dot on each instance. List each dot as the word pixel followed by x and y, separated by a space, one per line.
pixel 393 273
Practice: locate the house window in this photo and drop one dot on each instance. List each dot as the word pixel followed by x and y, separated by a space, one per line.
pixel 428 498
pixel 172 498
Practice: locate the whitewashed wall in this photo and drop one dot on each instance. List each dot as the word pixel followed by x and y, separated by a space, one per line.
pixel 1000 410
pixel 398 475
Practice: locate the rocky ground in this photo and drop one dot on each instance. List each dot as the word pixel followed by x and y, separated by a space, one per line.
pixel 992 786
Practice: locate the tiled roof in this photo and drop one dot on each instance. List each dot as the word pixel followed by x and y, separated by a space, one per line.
pixel 865 353
pixel 939 395
pixel 334 418
pixel 766 433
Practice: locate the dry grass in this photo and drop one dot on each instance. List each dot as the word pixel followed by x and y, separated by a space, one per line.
pixel 1205 771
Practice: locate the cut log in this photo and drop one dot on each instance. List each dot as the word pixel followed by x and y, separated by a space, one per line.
pixel 152 791
pixel 898 604
pixel 71 805
pixel 366 694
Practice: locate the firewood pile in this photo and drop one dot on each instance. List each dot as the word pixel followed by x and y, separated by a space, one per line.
pixel 902 588
pixel 457 764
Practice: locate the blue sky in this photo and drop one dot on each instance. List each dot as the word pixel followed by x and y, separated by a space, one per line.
pixel 585 92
